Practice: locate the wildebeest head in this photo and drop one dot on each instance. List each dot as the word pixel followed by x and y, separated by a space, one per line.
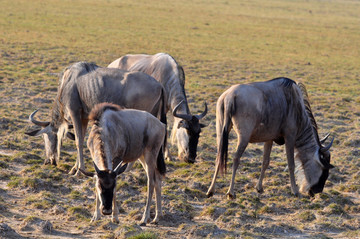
pixel 314 173
pixel 51 138
pixel 106 185
pixel 324 161
pixel 188 133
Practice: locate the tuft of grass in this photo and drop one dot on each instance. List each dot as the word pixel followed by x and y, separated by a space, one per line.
pixel 306 216
pixel 79 212
pixel 144 235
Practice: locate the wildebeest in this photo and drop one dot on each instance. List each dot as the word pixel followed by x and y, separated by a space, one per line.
pixel 125 135
pixel 170 74
pixel 83 85
pixel 277 110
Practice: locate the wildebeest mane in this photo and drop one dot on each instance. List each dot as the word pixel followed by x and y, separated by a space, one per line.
pixel 286 82
pixel 99 109
pixel 72 72
pixel 308 109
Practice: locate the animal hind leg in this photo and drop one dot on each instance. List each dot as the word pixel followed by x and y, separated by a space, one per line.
pixel 265 165
pixel 211 189
pixel 158 214
pixel 240 150
pixel 149 167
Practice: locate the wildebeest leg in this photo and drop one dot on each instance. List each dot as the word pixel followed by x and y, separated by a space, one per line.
pixel 97 214
pixel 158 213
pixel 265 165
pixel 79 128
pixel 149 167
pixel 211 189
pixel 289 145
pixel 242 143
pixel 115 213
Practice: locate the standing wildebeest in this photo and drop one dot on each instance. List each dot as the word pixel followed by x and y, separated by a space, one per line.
pixel 124 135
pixel 83 85
pixel 276 110
pixel 170 74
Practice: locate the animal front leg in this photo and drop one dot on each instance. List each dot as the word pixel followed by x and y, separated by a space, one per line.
pixel 79 139
pixel 265 165
pixel 115 213
pixel 97 214
pixel 291 164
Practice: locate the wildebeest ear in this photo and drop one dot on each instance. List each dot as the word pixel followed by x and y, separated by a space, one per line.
pixel 331 166
pixel 86 173
pixel 37 132
pixel 119 170
pixel 70 135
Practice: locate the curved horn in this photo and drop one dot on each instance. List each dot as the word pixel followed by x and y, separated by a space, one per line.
pixel 182 116
pixel 202 115
pixel 324 139
pixel 39 123
pixel 120 168
pixel 96 168
pixel 326 148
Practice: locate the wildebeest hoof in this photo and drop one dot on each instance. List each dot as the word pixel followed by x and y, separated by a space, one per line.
pixel 230 196
pixel 116 220
pixel 154 222
pixel 72 171
pixel 209 194
pixel 259 190
pixel 143 224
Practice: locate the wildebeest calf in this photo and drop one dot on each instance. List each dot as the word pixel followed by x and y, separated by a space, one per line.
pixel 123 136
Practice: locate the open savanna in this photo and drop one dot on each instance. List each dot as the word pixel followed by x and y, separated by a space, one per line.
pixel 219 43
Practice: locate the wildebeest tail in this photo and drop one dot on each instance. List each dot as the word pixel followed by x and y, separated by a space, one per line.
pixel 160 164
pixel 223 119
pixel 163 118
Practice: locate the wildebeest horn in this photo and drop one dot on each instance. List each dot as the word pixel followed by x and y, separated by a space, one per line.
pixel 96 168
pixel 324 139
pixel 202 115
pixel 326 148
pixel 120 168
pixel 182 116
pixel 86 173
pixel 39 123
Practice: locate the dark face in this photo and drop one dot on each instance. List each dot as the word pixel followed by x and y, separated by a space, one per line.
pixel 324 158
pixel 105 187
pixel 193 129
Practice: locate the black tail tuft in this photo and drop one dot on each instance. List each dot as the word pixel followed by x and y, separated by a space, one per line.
pixel 161 166
pixel 223 150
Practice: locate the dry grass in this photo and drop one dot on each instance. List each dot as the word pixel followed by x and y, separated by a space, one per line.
pixel 219 44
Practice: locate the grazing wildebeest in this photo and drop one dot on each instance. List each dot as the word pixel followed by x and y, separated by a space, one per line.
pixel 163 67
pixel 123 136
pixel 277 110
pixel 83 85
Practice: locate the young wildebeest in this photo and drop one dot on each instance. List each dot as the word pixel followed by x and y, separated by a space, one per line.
pixel 276 110
pixel 123 135
pixel 83 85
pixel 170 74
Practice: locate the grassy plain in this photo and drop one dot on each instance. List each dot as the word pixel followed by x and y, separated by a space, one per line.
pixel 219 43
